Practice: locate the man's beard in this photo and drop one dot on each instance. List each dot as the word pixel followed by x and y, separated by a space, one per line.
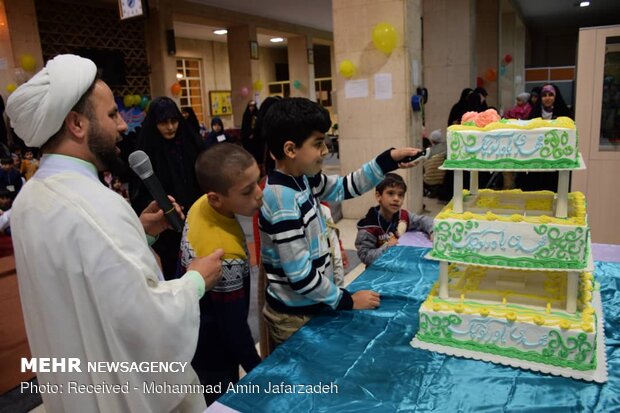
pixel 105 153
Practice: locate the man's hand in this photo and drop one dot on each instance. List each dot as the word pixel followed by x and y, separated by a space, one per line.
pixel 399 154
pixel 153 219
pixel 365 300
pixel 210 267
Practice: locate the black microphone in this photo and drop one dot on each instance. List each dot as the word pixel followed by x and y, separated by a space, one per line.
pixel 141 165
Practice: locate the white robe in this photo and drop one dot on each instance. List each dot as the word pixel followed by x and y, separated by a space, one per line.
pixel 90 288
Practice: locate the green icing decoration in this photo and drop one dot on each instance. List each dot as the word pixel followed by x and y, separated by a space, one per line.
pixel 554 153
pixel 438 326
pixel 510 352
pixel 577 345
pixel 560 251
pixel 561 246
pixel 573 354
pixel 556 145
pixel 510 164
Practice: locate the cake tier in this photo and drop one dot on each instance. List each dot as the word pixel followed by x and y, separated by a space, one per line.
pixel 537 297
pixel 532 333
pixel 514 145
pixel 513 229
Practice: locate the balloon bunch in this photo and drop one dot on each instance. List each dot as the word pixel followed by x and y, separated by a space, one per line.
pixel 505 62
pixel 27 63
pixel 136 101
pixel 384 37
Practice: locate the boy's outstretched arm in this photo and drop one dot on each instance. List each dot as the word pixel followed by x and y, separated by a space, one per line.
pixel 338 188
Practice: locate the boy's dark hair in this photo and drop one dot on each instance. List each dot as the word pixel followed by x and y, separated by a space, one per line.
pixel 6 161
pixel 293 119
pixel 218 167
pixel 391 180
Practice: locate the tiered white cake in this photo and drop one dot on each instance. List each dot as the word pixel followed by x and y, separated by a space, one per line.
pixel 515 284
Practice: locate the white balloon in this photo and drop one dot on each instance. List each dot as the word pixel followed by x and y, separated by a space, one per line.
pixel 518 79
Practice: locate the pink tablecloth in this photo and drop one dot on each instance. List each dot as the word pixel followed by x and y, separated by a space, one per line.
pixel 601 252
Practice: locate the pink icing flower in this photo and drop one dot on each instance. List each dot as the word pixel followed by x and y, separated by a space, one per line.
pixel 486 117
pixel 468 117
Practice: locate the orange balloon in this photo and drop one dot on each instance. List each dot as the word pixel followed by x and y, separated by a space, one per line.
pixel 175 89
pixel 490 75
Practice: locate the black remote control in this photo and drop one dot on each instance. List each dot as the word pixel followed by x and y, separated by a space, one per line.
pixel 423 153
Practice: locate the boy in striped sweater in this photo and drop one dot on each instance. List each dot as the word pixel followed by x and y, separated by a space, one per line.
pixel 295 247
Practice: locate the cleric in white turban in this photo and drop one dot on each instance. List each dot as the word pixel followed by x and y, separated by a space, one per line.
pixel 91 289
pixel 38 108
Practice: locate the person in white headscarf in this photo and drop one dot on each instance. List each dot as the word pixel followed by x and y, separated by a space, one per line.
pixel 90 287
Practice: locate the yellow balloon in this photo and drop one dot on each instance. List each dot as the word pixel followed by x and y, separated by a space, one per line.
pixel 384 37
pixel 27 62
pixel 128 101
pixel 11 87
pixel 257 86
pixel 136 100
pixel 346 68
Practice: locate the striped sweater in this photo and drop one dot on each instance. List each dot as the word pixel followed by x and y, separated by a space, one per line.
pixel 294 243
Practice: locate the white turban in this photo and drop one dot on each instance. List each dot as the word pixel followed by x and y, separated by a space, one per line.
pixel 38 108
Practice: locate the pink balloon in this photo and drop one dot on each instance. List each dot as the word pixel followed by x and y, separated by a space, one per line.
pixel 245 91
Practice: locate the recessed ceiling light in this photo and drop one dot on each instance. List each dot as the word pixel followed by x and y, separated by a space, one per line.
pixel 220 32
pixel 584 4
pixel 179 75
pixel 276 40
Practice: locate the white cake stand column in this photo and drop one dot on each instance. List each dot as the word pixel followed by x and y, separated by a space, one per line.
pixel 443 280
pixel 561 208
pixel 473 182
pixel 571 291
pixel 457 199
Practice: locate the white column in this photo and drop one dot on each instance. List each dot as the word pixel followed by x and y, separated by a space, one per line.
pixel 561 208
pixel 571 292
pixel 457 200
pixel 443 280
pixel 473 182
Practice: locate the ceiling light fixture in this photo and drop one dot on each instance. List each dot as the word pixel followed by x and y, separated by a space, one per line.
pixel 584 4
pixel 220 32
pixel 179 76
pixel 276 40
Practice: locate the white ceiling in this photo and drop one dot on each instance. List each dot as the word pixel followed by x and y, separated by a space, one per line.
pixel 197 31
pixel 310 13
pixel 542 15
pixel 538 15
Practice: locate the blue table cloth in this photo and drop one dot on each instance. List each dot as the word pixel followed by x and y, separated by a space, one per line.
pixel 367 355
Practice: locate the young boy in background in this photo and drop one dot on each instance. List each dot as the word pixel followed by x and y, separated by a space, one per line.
pixel 386 222
pixel 294 243
pixel 228 175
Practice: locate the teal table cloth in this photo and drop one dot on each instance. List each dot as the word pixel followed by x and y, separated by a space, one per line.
pixel 361 361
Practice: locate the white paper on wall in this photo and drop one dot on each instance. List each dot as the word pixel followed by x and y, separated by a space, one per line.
pixel 356 89
pixel 383 86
